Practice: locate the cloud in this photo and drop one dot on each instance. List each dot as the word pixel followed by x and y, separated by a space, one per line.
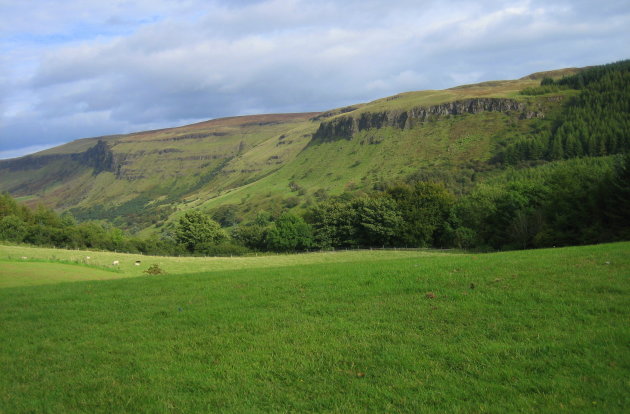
pixel 92 68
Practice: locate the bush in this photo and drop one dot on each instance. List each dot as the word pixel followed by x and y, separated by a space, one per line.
pixel 154 269
pixel 252 235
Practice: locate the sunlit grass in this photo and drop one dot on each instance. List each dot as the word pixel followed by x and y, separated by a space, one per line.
pixel 94 262
pixel 530 331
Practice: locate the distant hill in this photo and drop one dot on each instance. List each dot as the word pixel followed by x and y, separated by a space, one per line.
pixel 143 181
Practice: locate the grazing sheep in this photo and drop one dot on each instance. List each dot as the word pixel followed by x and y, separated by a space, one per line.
pixel 24 257
pixel 87 257
pixel 137 263
pixel 115 262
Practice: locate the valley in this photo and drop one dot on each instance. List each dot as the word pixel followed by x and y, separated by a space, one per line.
pixel 142 181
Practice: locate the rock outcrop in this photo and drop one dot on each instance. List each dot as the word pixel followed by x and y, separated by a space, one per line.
pixel 345 127
pixel 100 157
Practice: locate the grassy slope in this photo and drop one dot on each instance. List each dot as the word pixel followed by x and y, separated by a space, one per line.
pixel 166 173
pixel 542 331
pixel 252 159
pixel 168 162
pixel 491 89
pixel 408 100
pixel 350 164
pixel 384 154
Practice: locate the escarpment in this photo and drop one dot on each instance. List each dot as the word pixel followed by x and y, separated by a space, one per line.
pixel 31 162
pixel 99 157
pixel 344 127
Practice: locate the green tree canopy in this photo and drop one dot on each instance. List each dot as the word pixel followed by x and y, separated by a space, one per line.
pixel 289 233
pixel 424 208
pixel 196 229
pixel 13 228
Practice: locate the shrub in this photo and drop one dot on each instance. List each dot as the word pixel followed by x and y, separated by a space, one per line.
pixel 154 269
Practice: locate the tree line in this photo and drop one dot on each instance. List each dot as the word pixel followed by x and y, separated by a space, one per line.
pixel 594 123
pixel 570 202
pixel 42 226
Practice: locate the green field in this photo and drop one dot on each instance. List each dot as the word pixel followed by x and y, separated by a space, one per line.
pixel 528 331
pixel 99 265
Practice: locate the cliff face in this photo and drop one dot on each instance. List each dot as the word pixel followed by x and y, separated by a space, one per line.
pixel 345 127
pixel 100 157
pixel 468 106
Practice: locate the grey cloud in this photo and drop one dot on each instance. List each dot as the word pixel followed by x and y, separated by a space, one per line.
pixel 290 55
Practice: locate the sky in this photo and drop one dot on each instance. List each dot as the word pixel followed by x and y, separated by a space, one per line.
pixel 83 68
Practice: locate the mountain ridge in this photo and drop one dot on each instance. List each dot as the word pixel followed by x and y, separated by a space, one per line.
pixel 256 158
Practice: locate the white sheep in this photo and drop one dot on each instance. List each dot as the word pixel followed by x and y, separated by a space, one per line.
pixel 115 262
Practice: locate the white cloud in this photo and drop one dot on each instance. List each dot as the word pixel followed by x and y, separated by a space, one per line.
pixel 90 68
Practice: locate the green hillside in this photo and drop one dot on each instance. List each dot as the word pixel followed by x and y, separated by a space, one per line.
pixel 159 172
pixel 531 331
pixel 462 136
pixel 152 171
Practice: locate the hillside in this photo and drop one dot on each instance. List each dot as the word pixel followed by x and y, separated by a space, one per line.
pixel 107 177
pixel 144 180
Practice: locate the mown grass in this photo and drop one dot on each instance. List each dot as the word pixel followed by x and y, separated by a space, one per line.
pixel 530 331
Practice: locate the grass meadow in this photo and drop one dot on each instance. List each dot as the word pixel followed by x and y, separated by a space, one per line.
pixel 527 331
pixel 96 265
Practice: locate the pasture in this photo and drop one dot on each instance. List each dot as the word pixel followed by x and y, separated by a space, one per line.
pixel 527 331
pixel 94 263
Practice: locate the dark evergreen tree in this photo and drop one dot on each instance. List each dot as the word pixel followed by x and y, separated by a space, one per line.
pixel 617 201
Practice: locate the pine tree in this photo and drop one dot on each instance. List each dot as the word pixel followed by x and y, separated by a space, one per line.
pixel 557 151
pixel 618 204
